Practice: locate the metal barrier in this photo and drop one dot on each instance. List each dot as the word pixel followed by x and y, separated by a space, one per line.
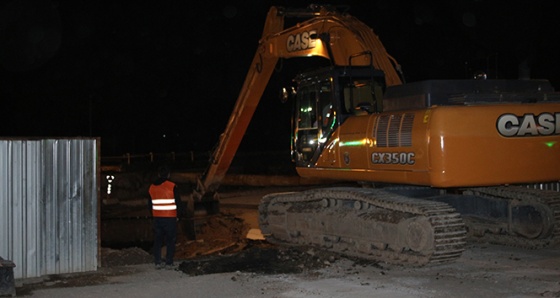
pixel 129 158
pixel 553 186
pixel 270 162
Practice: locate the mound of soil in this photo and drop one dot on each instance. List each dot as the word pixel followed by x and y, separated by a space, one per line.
pixel 221 246
pixel 122 257
pixel 219 234
pixel 223 233
pixel 261 258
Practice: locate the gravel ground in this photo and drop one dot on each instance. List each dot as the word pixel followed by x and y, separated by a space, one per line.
pixel 483 271
pixel 222 263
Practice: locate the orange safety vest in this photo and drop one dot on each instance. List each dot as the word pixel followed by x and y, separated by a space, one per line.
pixel 163 200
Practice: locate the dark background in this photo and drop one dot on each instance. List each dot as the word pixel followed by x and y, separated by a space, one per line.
pixel 160 76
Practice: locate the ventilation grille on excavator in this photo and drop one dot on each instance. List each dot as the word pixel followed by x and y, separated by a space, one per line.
pixel 394 130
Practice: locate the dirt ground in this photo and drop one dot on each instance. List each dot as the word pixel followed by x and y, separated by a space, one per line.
pixel 221 246
pixel 223 262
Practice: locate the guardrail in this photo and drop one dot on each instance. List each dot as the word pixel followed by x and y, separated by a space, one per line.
pixel 266 162
pixel 129 158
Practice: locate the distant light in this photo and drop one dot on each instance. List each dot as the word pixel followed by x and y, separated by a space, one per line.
pixel 110 179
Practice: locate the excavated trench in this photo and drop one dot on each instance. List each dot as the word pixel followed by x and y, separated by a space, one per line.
pixel 125 220
pixel 219 243
pixel 220 246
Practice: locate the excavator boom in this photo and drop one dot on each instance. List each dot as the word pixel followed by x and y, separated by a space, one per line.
pixel 326 33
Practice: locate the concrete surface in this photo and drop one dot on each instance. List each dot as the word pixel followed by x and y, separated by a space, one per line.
pixel 483 271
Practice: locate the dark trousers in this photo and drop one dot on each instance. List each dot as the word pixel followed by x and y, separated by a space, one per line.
pixel 165 228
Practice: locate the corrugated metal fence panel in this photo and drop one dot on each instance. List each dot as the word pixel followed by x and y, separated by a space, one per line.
pixel 49 205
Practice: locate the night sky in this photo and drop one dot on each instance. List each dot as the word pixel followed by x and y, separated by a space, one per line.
pixel 163 76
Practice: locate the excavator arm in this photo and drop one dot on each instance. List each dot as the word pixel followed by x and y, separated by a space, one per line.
pixel 341 38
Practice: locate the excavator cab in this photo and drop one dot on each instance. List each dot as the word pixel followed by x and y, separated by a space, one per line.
pixel 324 100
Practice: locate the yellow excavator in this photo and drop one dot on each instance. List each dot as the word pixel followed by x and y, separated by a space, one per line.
pixel 436 162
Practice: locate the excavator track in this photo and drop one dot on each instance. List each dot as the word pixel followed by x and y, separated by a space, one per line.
pixel 533 217
pixel 365 223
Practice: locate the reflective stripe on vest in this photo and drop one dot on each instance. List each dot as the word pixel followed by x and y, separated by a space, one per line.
pixel 163 200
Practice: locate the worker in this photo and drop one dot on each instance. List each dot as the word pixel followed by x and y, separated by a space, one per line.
pixel 165 205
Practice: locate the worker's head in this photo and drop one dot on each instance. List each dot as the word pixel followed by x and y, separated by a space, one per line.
pixel 164 172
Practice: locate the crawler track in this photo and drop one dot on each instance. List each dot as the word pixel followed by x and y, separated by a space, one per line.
pixel 365 223
pixel 537 225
